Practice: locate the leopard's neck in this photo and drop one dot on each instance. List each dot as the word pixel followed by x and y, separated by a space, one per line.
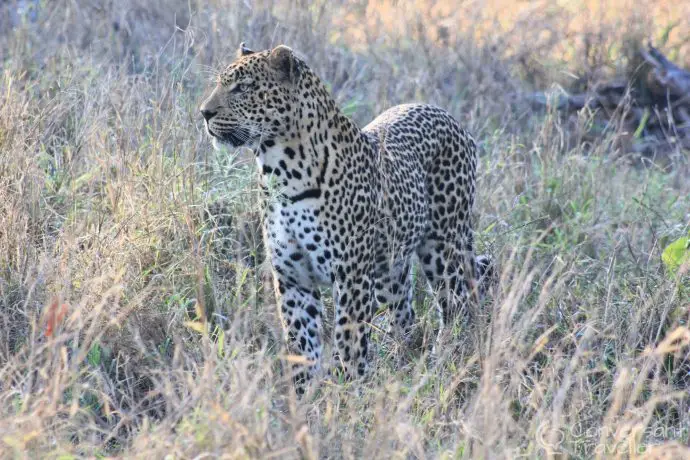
pixel 314 153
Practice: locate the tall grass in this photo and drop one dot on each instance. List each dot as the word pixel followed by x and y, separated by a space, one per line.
pixel 133 317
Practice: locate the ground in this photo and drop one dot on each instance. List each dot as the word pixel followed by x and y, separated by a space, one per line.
pixel 130 325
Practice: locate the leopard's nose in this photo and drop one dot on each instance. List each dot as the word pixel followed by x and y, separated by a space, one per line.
pixel 208 114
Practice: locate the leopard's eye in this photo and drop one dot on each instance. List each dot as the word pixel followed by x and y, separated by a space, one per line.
pixel 241 88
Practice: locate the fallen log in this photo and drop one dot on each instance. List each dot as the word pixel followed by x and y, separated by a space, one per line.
pixel 654 103
pixel 666 78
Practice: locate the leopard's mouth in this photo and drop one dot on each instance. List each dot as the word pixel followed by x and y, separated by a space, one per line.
pixel 232 136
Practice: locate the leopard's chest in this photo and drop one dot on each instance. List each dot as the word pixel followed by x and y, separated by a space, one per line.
pixel 299 240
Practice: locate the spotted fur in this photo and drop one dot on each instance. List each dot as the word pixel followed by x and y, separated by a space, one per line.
pixel 354 205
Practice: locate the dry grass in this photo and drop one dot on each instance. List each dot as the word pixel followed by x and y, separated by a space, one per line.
pixel 109 268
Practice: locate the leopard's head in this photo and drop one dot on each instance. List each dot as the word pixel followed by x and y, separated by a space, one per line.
pixel 255 98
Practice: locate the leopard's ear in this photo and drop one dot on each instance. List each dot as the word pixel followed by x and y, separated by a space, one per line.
pixel 243 51
pixel 283 60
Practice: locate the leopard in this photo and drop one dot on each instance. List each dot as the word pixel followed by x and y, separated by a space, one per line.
pixel 349 208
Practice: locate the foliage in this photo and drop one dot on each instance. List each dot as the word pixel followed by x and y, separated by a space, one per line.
pixel 135 319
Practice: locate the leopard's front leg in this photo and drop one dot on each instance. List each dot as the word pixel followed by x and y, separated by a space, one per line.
pixel 353 292
pixel 301 313
pixel 299 300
